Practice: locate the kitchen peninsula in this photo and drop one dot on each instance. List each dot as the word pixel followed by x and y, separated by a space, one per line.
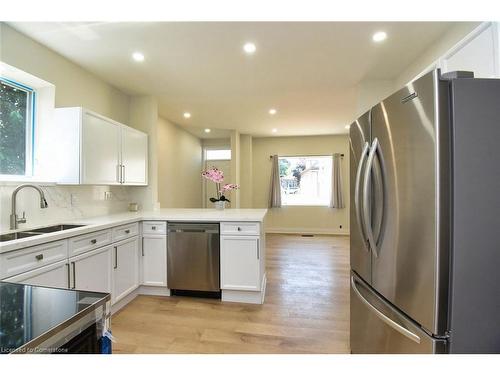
pixel 126 254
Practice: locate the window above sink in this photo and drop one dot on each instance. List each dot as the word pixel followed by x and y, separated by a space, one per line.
pixel 26 111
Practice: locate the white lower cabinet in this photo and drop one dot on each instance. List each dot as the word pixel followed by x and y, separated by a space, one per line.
pixel 154 260
pixel 125 268
pixel 55 275
pixel 240 263
pixel 92 271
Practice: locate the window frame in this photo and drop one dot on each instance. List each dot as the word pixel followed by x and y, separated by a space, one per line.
pixel 30 131
pixel 327 204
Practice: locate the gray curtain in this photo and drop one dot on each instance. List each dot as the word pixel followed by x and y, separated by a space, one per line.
pixel 337 200
pixel 275 189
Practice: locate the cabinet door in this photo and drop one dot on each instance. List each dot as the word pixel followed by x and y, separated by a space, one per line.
pixel 125 268
pixel 92 271
pixel 55 275
pixel 134 156
pixel 154 260
pixel 477 54
pixel 240 263
pixel 100 150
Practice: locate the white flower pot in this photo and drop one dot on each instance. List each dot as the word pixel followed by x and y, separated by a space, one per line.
pixel 220 205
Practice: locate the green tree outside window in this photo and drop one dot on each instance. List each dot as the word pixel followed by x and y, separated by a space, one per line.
pixel 14 113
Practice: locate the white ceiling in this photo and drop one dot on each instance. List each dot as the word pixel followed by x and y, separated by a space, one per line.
pixel 307 71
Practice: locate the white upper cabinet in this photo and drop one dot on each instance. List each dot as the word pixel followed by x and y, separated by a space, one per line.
pixel 478 52
pixel 100 150
pixel 95 150
pixel 134 156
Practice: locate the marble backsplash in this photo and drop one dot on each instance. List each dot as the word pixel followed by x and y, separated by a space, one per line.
pixel 64 203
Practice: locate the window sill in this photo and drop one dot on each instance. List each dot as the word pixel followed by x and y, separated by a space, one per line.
pixel 16 180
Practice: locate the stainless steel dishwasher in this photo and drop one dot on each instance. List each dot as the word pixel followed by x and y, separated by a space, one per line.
pixel 193 260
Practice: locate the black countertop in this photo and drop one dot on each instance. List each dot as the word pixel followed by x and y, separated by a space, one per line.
pixel 29 314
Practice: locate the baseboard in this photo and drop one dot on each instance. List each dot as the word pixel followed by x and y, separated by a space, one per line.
pixel 263 288
pixel 306 231
pixel 117 306
pixel 147 290
pixel 244 296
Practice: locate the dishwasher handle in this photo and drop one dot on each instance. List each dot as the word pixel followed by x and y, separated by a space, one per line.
pixel 193 228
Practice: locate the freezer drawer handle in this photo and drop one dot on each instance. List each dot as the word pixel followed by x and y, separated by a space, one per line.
pixel 384 318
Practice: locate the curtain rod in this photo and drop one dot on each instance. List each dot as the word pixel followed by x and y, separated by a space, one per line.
pixel 298 156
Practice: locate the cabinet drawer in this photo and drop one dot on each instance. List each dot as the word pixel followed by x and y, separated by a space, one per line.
pixel 125 231
pixel 90 241
pixel 154 227
pixel 19 261
pixel 242 228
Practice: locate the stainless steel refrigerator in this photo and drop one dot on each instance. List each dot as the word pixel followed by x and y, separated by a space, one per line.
pixel 424 208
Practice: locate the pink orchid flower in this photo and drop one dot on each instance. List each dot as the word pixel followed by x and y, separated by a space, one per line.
pixel 229 187
pixel 214 174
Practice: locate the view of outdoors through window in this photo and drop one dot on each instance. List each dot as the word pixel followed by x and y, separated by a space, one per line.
pixel 305 180
pixel 14 117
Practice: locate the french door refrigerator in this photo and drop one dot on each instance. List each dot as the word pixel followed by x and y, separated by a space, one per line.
pixel 425 187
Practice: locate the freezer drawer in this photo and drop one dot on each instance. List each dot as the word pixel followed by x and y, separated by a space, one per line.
pixel 378 328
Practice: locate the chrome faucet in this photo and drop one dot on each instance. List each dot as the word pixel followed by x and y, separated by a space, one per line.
pixel 14 220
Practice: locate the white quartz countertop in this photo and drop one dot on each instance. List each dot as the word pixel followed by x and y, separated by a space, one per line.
pixel 93 224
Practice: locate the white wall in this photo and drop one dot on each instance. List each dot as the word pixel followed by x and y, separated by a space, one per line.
pixel 74 86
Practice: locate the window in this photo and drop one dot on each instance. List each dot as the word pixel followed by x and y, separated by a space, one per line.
pixel 305 180
pixel 16 128
pixel 218 155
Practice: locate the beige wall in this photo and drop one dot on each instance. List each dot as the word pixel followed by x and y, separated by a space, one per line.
pixel 299 219
pixel 74 85
pixel 179 167
pixel 246 171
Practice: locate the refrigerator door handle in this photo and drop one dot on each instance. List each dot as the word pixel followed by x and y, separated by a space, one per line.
pixel 391 323
pixel 357 184
pixel 375 149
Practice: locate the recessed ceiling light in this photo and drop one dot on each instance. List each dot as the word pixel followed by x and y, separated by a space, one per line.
pixel 137 56
pixel 187 115
pixel 379 36
pixel 272 111
pixel 274 130
pixel 207 130
pixel 249 48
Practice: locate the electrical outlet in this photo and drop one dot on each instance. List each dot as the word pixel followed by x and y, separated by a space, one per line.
pixel 73 199
pixel 107 195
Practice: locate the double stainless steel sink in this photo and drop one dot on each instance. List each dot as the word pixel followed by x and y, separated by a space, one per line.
pixel 35 232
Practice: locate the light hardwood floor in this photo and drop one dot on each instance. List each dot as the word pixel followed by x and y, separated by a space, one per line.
pixel 306 309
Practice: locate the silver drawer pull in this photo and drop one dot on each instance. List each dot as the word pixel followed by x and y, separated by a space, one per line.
pixel 153 228
pixel 93 242
pixel 127 231
pixel 39 257
pixel 239 229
